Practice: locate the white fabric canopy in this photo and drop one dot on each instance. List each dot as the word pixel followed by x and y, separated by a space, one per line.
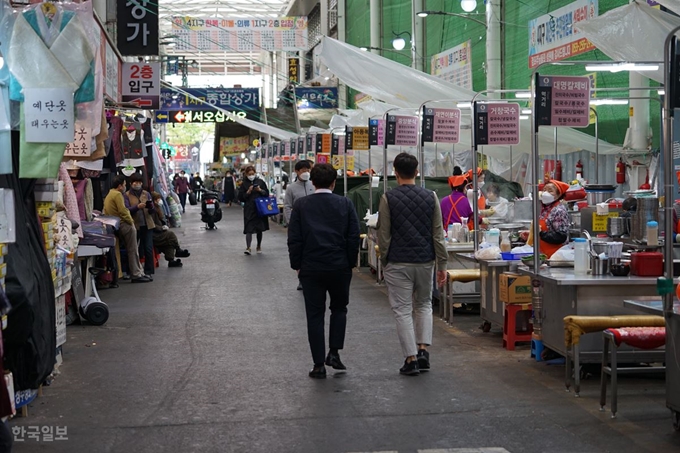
pixel 405 87
pixel 643 30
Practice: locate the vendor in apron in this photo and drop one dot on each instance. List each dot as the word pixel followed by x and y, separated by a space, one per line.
pixel 455 206
pixel 554 219
pixel 481 199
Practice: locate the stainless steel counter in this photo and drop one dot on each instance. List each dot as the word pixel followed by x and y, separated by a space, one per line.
pixel 565 293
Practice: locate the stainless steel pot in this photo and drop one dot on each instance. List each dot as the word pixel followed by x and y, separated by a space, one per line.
pixel 616 227
pixel 595 197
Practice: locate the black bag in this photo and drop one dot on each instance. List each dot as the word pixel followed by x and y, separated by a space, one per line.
pixel 192 199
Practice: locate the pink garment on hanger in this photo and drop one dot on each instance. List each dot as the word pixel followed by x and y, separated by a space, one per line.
pixel 70 200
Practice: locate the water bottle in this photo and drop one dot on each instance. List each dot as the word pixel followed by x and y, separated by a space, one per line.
pixel 652 233
pixel 493 236
pixel 581 256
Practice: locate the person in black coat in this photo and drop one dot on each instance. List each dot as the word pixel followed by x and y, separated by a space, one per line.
pixel 251 189
pixel 323 246
pixel 229 188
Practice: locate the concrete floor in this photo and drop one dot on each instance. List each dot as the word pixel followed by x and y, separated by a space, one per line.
pixel 213 357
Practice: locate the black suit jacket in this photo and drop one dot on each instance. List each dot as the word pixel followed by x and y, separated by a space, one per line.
pixel 323 233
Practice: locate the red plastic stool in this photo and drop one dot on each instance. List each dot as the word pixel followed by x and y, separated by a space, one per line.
pixel 510 334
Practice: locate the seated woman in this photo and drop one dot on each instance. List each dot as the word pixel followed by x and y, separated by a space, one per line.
pixel 164 240
pixel 554 219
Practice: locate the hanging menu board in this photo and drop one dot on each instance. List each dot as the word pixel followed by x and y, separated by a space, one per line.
pixel 402 130
pixel 376 132
pixel 275 152
pixel 286 33
pixel 356 138
pixel 441 125
pixel 562 101
pixel 496 123
pixel 323 143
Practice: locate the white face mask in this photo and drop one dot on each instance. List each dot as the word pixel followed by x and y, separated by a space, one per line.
pixel 480 184
pixel 159 202
pixel 304 176
pixel 137 187
pixel 251 177
pixel 547 198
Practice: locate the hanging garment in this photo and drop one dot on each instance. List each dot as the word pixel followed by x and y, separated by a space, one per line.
pixel 115 132
pixel 61 57
pixel 132 140
pixel 70 198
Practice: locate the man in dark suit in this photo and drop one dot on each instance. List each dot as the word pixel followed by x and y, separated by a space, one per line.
pixel 323 244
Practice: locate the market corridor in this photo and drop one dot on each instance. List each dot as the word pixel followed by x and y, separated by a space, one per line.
pixel 213 357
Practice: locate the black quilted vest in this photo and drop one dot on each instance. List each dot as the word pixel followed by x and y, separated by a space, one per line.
pixel 411 211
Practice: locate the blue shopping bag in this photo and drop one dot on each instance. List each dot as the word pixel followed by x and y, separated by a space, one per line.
pixel 267 206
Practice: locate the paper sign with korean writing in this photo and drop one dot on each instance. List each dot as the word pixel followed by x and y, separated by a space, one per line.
pixel 562 101
pixel 81 146
pixel 496 123
pixel 48 114
pixel 323 158
pixel 376 132
pixel 441 125
pixel 142 84
pixel 402 130
pixel 287 33
pixel 555 36
pixel 454 65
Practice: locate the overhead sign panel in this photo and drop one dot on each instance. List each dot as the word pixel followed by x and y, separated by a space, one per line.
pixel 554 36
pixel 286 33
pixel 137 27
pixel 454 65
pixel 142 85
pixel 562 101
pixel 402 130
pixel 441 125
pixel 496 123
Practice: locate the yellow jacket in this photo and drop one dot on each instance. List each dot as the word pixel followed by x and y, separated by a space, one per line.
pixel 114 205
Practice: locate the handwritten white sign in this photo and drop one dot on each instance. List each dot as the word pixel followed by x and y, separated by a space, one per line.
pixel 81 146
pixel 48 115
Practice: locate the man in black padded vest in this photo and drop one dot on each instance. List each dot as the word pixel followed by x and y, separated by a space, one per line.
pixel 323 245
pixel 411 241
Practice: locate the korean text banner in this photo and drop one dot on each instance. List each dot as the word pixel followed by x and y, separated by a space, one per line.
pixel 137 27
pixel 317 97
pixel 243 99
pixel 454 65
pixel 554 37
pixel 233 145
pixel 241 35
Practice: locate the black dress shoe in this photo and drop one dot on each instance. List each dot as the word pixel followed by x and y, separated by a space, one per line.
pixel 318 372
pixel 410 368
pixel 333 360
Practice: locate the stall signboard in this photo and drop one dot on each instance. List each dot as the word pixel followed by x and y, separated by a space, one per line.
pixel 275 152
pixel 80 147
pixel 230 99
pixel 496 123
pixel 294 70
pixel 183 152
pixel 49 115
pixel 337 145
pixel 441 125
pixel 356 138
pixel 301 147
pixel 376 132
pixel 233 145
pixel 142 85
pixel 196 116
pixel 562 101
pixel 323 158
pixel 137 27
pixel 402 130
pixel 287 33
pixel 316 97
pixel 310 143
pixel 323 143
pixel 284 149
pixel 338 161
pixel 600 221
pixel 555 36
pixel 454 65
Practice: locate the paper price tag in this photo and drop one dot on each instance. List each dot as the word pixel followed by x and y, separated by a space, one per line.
pixel 48 115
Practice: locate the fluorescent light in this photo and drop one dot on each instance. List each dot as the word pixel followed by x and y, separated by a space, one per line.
pixel 526 111
pixel 423 14
pixel 617 67
pixel 364 48
pixel 399 43
pixel 464 105
pixel 609 102
pixel 468 5
pixel 523 94
pixel 524 117
pixel 661 92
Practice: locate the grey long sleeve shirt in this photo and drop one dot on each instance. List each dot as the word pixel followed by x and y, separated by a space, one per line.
pixel 294 192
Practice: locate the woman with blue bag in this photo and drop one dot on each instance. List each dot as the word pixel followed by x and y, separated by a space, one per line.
pixel 251 189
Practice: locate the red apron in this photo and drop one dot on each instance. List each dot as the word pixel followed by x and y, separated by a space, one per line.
pixel 547 249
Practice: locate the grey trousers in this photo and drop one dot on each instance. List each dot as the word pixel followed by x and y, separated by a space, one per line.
pixel 128 234
pixel 409 289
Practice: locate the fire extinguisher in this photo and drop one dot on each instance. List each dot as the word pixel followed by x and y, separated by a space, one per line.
pixel 620 172
pixel 579 170
pixel 558 170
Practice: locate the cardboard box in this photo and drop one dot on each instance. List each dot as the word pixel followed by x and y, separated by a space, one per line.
pixel 515 288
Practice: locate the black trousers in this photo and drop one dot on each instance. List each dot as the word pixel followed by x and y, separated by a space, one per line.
pixel 315 285
pixel 145 236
